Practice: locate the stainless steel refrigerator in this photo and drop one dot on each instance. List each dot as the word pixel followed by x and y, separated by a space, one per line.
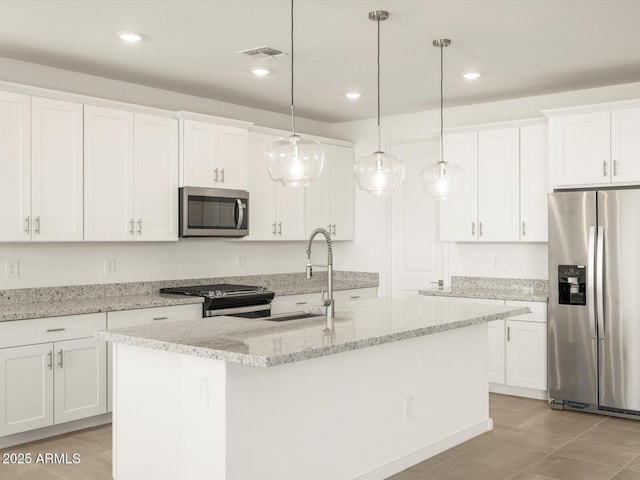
pixel 594 300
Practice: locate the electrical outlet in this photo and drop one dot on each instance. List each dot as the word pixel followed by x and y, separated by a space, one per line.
pixel 202 391
pixel 110 266
pixel 240 262
pixel 408 409
pixel 12 269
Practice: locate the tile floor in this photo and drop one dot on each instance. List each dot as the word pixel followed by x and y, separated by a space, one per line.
pixel 529 442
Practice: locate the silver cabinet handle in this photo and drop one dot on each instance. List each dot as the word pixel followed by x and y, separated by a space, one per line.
pixel 27 225
pixel 508 334
pixel 604 168
pixel 355 297
pixel 301 303
pixel 524 229
pixel 49 330
pixel 131 226
pixel 140 226
pixel 216 175
pixel 50 360
pixel 273 228
pixel 222 175
pixel 159 318
pixel 615 168
pixel 61 364
pixel 37 229
pixel 329 227
pixel 473 229
pixel 480 227
pixel 334 228
pixel 280 228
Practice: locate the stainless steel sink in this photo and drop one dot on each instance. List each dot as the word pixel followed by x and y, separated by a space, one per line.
pixel 283 317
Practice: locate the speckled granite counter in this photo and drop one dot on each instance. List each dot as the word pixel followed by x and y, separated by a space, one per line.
pixel 25 303
pixel 361 324
pixel 525 290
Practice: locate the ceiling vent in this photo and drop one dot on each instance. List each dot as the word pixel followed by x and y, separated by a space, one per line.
pixel 263 52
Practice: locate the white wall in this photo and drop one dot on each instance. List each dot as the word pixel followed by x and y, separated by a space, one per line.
pixel 517 260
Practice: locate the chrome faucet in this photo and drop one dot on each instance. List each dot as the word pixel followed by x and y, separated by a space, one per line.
pixel 328 302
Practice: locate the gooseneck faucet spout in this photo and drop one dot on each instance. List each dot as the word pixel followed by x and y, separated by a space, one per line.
pixel 328 303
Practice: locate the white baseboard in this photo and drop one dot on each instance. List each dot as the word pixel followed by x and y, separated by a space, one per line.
pixel 52 431
pixel 429 451
pixel 518 391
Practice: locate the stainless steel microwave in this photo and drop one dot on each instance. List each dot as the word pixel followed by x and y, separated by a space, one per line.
pixel 213 212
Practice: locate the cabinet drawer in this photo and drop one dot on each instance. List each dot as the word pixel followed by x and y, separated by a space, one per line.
pixel 50 329
pixel 355 294
pixel 538 311
pixel 295 303
pixel 146 316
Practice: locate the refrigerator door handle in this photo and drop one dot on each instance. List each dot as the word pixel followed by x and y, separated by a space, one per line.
pixel 600 281
pixel 591 279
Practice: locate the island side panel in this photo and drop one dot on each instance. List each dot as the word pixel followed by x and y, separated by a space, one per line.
pixel 343 416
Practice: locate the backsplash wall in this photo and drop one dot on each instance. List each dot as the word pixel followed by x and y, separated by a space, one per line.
pixel 53 264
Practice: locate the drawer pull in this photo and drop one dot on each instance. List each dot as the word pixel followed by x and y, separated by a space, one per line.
pixel 160 318
pixel 55 329
pixel 61 353
pixel 354 297
pixel 301 303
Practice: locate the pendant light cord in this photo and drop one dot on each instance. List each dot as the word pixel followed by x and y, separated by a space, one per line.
pixel 441 102
pixel 293 114
pixel 378 22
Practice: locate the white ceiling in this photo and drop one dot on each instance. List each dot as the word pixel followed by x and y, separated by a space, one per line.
pixel 522 47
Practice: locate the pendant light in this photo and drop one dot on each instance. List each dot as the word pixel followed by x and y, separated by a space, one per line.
pixel 442 179
pixel 295 161
pixel 378 172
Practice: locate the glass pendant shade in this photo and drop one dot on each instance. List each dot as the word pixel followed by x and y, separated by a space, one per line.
pixel 442 180
pixel 295 161
pixel 378 173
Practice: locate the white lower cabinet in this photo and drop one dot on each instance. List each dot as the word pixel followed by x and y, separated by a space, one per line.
pixel 145 316
pixel 526 354
pixel 46 383
pixel 496 351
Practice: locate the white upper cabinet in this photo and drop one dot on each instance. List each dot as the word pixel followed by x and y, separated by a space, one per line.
pixel 459 214
pixel 131 176
pixel 625 145
pixel 56 170
pixel 534 183
pixel 498 185
pixel 213 156
pixel 276 212
pixel 504 197
pixel 15 161
pixel 329 199
pixel 580 148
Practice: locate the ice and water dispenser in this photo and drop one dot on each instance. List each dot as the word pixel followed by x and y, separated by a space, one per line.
pixel 572 284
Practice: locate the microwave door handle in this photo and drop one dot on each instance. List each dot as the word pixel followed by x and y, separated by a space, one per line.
pixel 240 213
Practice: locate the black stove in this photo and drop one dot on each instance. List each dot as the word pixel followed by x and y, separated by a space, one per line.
pixel 228 299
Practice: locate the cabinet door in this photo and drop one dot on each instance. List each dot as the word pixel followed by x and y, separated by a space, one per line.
pixel 534 183
pixel 290 215
pixel 339 162
pixel 109 174
pixel 527 354
pixel 580 149
pixel 200 154
pixel 625 145
pixel 496 351
pixel 232 157
pixel 26 396
pixel 80 379
pixel 262 222
pixel 459 214
pixel 499 185
pixel 317 197
pixel 56 170
pixel 15 167
pixel 156 177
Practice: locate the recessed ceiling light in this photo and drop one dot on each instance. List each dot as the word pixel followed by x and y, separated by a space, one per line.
pixel 129 37
pixel 471 75
pixel 352 95
pixel 260 71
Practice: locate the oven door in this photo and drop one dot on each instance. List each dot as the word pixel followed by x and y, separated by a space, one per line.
pixel 249 311
pixel 213 212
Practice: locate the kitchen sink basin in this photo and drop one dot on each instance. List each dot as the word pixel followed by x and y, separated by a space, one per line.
pixel 283 317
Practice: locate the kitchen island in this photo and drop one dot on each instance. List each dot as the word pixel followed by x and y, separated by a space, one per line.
pixel 395 382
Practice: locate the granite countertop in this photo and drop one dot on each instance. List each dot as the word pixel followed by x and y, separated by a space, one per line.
pixel 361 324
pixel 524 290
pixel 26 303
